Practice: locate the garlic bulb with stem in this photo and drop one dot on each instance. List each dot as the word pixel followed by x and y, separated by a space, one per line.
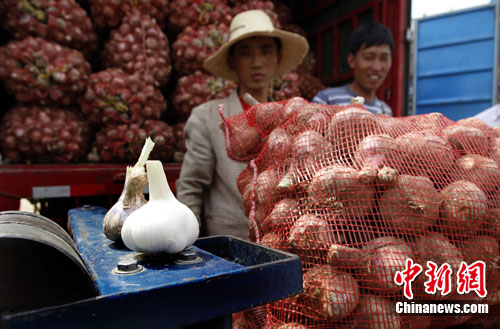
pixel 131 197
pixel 163 224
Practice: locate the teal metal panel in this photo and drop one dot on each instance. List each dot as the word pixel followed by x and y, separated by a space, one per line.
pixel 455 71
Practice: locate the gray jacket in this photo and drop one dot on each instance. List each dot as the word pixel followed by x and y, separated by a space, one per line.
pixel 207 182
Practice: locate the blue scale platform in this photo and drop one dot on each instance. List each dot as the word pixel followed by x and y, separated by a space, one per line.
pixel 233 275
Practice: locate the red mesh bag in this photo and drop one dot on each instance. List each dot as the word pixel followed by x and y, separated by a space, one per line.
pixel 195 89
pixel 180 142
pixel 357 196
pixel 309 84
pixel 194 45
pixel 496 131
pixel 266 6
pixel 253 318
pixel 40 134
pixel 113 96
pixel 61 21
pixel 38 71
pixel 139 46
pixel 196 13
pixel 124 142
pixel 285 87
pixel 110 13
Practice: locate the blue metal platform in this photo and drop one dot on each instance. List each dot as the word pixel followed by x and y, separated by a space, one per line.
pixel 232 275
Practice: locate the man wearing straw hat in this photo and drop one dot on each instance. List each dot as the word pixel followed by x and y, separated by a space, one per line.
pixel 255 54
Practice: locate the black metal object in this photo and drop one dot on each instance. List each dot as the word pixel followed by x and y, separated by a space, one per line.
pixel 39 264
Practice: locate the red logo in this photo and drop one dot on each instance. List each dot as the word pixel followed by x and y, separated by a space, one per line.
pixel 439 279
pixel 472 278
pixel 406 277
pixel 469 278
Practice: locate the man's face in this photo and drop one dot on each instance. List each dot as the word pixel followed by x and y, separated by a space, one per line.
pixel 255 61
pixel 370 66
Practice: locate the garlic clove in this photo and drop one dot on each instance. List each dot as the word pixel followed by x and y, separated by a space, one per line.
pixel 131 197
pixel 129 201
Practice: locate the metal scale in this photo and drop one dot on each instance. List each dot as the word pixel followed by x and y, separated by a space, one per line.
pixel 90 282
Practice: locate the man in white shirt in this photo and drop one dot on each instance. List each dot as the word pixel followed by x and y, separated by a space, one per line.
pixel 370 58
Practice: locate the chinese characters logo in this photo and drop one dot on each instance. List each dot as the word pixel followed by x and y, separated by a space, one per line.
pixel 469 278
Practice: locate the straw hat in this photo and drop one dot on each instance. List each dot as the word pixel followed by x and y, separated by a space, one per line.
pixel 251 23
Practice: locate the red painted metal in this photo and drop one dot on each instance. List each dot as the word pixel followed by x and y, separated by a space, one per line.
pixel 392 13
pixel 87 189
pixel 402 57
pixel 18 181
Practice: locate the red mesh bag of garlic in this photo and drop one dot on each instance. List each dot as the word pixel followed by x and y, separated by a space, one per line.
pixel 38 71
pixel 194 45
pixel 113 96
pixel 139 46
pixel 107 13
pixel 197 88
pixel 196 13
pixel 309 84
pixel 123 142
pixel 284 87
pixel 266 6
pixel 253 318
pixel 364 200
pixel 43 134
pixel 180 142
pixel 60 21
